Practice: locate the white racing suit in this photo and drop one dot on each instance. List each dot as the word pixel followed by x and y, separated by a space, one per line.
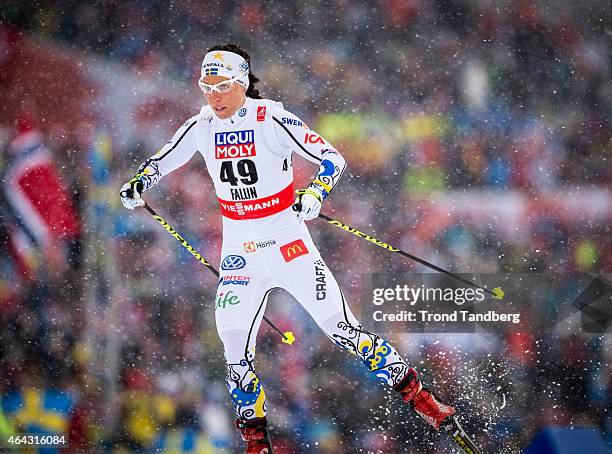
pixel 264 245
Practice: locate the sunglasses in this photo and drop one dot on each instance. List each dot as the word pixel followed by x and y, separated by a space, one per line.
pixel 221 87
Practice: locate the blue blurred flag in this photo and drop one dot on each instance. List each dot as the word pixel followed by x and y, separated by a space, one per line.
pixel 99 158
pixel 39 411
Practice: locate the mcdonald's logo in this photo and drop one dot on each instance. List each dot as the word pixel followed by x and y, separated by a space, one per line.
pixel 293 250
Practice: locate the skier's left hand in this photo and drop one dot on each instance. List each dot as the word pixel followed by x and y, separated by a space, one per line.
pixel 307 204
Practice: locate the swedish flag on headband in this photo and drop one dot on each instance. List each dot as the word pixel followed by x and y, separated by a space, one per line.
pixel 211 71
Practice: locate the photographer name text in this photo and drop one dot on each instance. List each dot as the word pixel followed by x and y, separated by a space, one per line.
pixel 454 316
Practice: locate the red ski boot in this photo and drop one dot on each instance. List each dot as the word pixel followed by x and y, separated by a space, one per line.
pixel 255 433
pixel 423 401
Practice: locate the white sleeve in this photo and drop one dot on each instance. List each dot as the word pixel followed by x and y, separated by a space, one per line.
pixel 295 135
pixel 171 156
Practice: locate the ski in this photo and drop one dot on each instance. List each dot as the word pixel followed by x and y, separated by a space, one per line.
pixel 459 437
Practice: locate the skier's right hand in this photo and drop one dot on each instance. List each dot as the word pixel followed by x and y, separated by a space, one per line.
pixel 130 193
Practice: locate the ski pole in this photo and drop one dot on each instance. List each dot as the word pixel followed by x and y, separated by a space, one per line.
pixel 287 337
pixel 497 292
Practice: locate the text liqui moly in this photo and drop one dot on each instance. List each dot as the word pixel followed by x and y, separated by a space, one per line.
pixel 235 144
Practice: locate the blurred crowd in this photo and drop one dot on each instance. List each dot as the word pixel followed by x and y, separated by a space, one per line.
pixel 477 136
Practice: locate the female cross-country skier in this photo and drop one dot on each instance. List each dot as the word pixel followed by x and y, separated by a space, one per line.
pixel 247 143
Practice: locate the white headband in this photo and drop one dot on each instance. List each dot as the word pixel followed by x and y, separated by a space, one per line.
pixel 226 64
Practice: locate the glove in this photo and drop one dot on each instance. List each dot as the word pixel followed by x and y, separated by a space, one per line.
pixel 130 194
pixel 307 204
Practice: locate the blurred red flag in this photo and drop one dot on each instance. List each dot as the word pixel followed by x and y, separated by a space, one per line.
pixel 35 190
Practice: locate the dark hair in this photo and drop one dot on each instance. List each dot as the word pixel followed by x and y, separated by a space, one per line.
pixel 251 92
